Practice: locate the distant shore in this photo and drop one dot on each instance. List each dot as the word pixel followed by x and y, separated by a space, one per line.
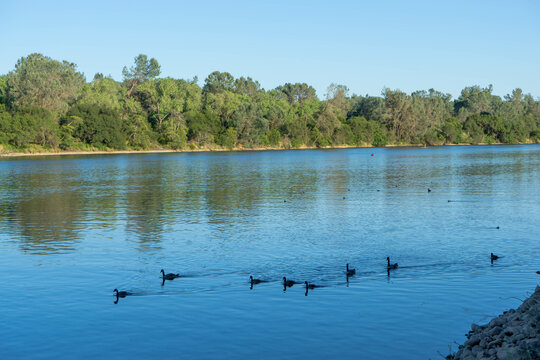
pixel 57 152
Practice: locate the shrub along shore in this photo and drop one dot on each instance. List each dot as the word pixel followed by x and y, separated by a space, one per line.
pixel 48 106
pixel 39 151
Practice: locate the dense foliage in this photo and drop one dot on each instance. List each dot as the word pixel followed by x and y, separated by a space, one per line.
pixel 47 104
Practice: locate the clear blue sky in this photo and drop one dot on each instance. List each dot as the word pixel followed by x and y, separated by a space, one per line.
pixel 366 45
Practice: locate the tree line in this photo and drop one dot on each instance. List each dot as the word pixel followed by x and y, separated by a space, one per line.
pixel 48 104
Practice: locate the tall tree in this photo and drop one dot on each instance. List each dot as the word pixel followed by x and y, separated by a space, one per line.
pixel 247 86
pixel 474 100
pixel 142 71
pixel 3 89
pixel 398 114
pixel 297 92
pixel 104 92
pixel 41 81
pixel 218 82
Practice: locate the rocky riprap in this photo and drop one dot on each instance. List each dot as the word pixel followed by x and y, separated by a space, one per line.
pixel 513 335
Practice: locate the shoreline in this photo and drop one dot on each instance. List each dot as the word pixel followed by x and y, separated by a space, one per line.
pixel 217 149
pixel 513 335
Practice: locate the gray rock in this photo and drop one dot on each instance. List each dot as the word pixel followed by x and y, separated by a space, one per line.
pixel 518 337
pixel 514 335
pixel 534 344
pixel 496 322
pixel 495 343
pixel 502 354
pixel 494 331
pixel 473 340
pixel 483 342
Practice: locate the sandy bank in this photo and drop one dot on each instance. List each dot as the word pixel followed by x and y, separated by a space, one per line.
pixel 101 152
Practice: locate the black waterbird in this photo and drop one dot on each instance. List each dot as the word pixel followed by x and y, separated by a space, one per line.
pixel 350 272
pixel 494 257
pixel 169 276
pixel 121 294
pixel 310 286
pixel 391 266
pixel 288 283
pixel 255 281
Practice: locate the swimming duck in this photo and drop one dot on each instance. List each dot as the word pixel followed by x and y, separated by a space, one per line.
pixel 121 294
pixel 350 272
pixel 255 281
pixel 494 257
pixel 391 266
pixel 288 283
pixel 428 190
pixel 310 286
pixel 169 276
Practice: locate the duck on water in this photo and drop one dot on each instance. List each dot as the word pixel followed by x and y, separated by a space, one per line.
pixel 255 281
pixel 169 276
pixel 494 257
pixel 288 283
pixel 391 266
pixel 120 294
pixel 311 286
pixel 349 272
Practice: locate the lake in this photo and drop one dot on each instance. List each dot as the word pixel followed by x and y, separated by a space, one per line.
pixel 73 228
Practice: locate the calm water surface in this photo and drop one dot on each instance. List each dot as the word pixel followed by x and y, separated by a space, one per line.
pixel 73 228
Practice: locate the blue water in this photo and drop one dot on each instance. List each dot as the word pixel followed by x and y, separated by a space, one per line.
pixel 73 228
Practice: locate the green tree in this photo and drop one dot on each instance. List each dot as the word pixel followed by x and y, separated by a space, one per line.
pixel 452 131
pixel 336 95
pixel 3 89
pixel 218 82
pixel 250 123
pixel 143 70
pixel 173 133
pixel 164 98
pixel 474 100
pixel 41 81
pixel 297 93
pixel 135 125
pixel 100 127
pixel 102 92
pixel 398 114
pixel 5 125
pixel 370 107
pixel 228 138
pixel 202 127
pixel 33 125
pixel 224 104
pixel 247 86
